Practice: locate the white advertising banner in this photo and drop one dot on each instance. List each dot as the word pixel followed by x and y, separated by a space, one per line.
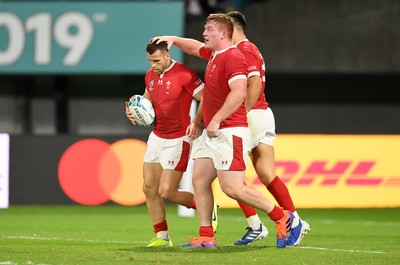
pixel 4 169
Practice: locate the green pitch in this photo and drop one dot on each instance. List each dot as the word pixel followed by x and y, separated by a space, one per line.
pixel 111 234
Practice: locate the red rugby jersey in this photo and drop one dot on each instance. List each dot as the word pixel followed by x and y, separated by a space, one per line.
pixel 255 66
pixel 172 94
pixel 223 67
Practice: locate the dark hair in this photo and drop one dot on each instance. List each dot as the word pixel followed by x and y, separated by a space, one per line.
pixel 153 46
pixel 238 19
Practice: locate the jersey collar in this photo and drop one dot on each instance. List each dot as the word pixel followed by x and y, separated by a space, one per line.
pixel 169 68
pixel 241 41
pixel 215 53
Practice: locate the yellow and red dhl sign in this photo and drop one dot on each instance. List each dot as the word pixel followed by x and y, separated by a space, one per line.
pixel 333 171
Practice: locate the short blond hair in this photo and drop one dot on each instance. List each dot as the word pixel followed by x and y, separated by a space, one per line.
pixel 224 20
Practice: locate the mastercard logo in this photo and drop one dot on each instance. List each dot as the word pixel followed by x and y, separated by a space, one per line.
pixel 93 172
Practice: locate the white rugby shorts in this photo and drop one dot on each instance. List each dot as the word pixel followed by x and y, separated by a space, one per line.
pixel 229 151
pixel 170 153
pixel 262 126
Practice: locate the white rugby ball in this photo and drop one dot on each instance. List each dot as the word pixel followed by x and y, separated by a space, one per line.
pixel 142 110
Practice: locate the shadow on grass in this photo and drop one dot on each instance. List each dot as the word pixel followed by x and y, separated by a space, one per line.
pixel 220 249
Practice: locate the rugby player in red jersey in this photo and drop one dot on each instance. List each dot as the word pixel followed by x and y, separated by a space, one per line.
pixel 171 87
pixel 262 126
pixel 222 149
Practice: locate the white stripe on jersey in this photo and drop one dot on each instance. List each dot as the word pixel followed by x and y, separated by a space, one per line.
pixel 236 77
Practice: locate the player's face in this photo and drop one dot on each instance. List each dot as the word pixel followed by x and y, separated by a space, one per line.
pixel 159 61
pixel 212 35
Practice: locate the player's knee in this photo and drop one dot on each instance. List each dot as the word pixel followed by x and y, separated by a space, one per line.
pixel 149 190
pixel 231 192
pixel 166 193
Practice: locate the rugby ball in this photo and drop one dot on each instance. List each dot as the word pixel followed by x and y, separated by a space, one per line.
pixel 142 110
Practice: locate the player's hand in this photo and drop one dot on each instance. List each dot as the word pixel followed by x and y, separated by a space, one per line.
pixel 193 130
pixel 129 114
pixel 212 129
pixel 168 39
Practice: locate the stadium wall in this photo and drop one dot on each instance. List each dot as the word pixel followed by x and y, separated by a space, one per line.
pixel 302 103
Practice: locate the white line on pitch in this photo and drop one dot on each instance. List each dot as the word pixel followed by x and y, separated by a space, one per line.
pixel 331 221
pixel 142 242
pixel 345 250
pixel 69 239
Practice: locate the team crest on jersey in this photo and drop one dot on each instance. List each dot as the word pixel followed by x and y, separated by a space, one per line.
pixel 168 84
pixel 151 85
pixel 212 69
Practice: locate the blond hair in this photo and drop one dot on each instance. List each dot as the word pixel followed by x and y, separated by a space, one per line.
pixel 224 21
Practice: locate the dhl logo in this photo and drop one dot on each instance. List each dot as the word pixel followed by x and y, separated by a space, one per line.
pixel 325 173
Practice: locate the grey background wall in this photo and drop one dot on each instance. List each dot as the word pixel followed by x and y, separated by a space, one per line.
pixel 322 36
pixel 333 67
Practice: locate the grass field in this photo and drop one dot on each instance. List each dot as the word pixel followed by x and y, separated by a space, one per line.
pixel 114 234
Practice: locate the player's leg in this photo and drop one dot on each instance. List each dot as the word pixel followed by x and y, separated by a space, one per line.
pixel 231 183
pixel 263 158
pixel 203 175
pixel 233 145
pixel 168 189
pixel 255 229
pixel 263 161
pixel 174 158
pixel 264 164
pixel 152 170
pixel 155 204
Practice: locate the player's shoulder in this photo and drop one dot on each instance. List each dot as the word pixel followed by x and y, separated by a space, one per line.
pixel 182 72
pixel 178 66
pixel 205 53
pixel 235 53
pixel 149 71
pixel 150 74
pixel 247 46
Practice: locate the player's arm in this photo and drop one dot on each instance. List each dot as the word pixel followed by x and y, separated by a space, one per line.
pixel 129 114
pixel 254 86
pixel 147 95
pixel 189 46
pixel 232 102
pixel 193 130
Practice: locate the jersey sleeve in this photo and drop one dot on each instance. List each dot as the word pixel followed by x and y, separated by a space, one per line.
pixel 146 80
pixel 252 62
pixel 192 82
pixel 235 67
pixel 205 53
